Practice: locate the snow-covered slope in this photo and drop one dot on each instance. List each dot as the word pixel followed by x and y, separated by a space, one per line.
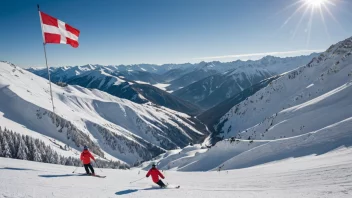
pixel 326 175
pixel 113 128
pixel 165 99
pixel 104 81
pixel 139 92
pixel 236 154
pixel 212 116
pixel 307 99
pixel 304 112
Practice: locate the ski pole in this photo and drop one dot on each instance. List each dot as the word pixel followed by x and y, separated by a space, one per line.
pixel 78 167
pixel 75 170
pixel 137 180
pixel 98 166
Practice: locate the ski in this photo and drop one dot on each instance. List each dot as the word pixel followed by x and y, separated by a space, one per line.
pixel 170 187
pixel 100 176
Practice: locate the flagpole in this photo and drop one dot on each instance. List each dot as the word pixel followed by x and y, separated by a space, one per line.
pixel 51 91
pixel 46 62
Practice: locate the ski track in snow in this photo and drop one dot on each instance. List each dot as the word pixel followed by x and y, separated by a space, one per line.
pixel 327 175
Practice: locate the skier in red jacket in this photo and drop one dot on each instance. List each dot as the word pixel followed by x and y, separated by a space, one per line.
pixel 85 158
pixel 155 173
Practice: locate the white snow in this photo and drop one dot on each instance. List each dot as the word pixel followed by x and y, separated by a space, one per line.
pixel 25 103
pixel 327 175
pixel 305 112
pixel 21 129
pixel 291 139
pixel 309 86
pixel 142 82
pixel 162 86
pixel 304 100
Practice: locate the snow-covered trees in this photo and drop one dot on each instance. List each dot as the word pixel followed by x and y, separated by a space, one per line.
pixel 36 156
pixel 14 145
pixel 22 150
pixel 73 133
pixel 6 150
pixel 142 148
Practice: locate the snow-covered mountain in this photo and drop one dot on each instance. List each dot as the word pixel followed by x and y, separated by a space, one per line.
pixel 233 77
pixel 62 74
pixel 113 128
pixel 66 72
pixel 143 76
pixel 199 72
pixel 165 99
pixel 304 112
pixel 214 89
pixel 117 85
pixel 317 90
pixel 176 75
pixel 104 81
pixel 212 116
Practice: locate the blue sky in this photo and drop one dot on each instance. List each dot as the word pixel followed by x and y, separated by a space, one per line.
pixel 169 31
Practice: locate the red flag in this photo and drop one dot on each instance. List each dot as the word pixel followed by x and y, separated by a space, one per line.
pixel 56 31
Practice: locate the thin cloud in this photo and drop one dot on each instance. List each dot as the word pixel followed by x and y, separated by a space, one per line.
pixel 260 54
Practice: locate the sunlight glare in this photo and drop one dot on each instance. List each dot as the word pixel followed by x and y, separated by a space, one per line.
pixel 310 8
pixel 315 3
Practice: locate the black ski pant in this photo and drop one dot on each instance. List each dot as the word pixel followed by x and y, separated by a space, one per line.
pixel 86 166
pixel 161 183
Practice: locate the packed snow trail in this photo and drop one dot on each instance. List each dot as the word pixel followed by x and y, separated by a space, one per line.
pixel 327 175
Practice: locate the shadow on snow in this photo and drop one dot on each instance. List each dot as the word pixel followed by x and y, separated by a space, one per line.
pixel 125 192
pixel 65 175
pixel 129 191
pixel 19 169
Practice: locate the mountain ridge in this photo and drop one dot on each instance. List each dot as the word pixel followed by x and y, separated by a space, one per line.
pixel 175 79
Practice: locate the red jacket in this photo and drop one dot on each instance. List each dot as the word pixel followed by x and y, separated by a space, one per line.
pixel 155 173
pixel 85 157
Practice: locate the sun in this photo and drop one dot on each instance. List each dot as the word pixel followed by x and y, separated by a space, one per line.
pixel 315 3
pixel 307 9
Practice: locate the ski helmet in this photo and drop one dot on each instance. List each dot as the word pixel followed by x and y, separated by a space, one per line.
pixel 85 147
pixel 153 164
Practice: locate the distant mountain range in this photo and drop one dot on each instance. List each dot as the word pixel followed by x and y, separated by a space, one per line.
pixel 193 87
